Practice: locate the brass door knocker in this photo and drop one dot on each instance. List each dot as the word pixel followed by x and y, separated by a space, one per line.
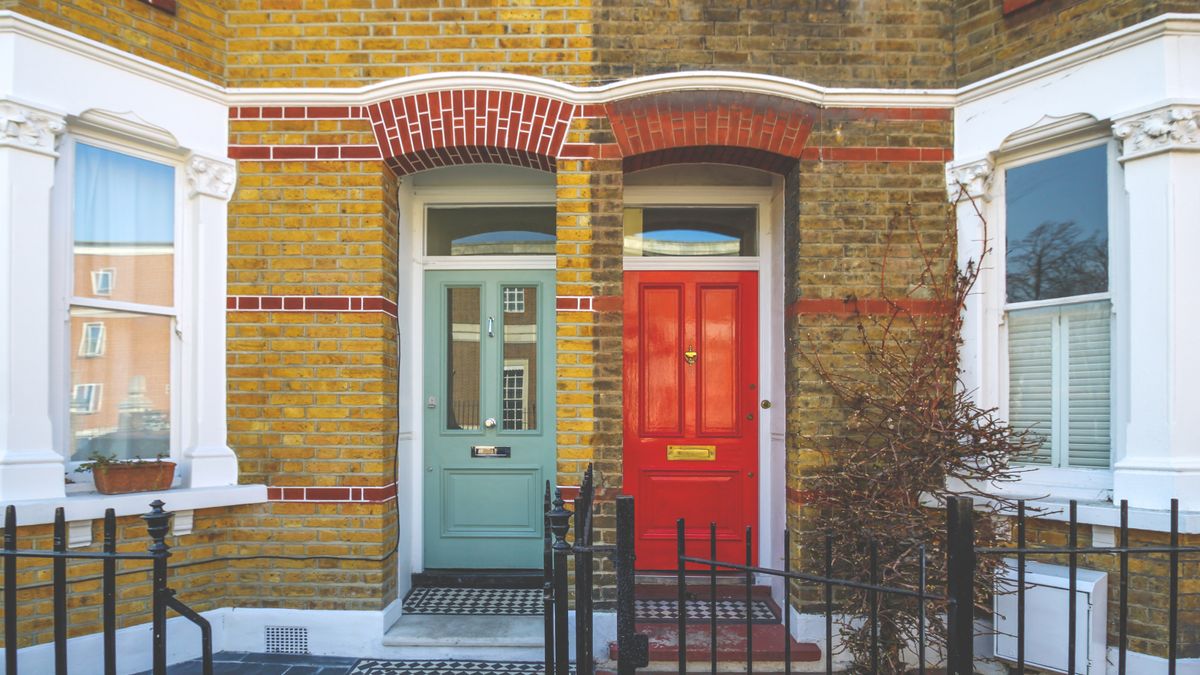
pixel 690 355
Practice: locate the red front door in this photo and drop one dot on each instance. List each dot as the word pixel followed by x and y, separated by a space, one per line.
pixel 691 414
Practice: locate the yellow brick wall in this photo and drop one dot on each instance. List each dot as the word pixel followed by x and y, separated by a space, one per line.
pixel 192 40
pixel 341 43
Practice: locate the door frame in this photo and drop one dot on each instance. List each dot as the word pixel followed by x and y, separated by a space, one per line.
pixel 413 263
pixel 772 478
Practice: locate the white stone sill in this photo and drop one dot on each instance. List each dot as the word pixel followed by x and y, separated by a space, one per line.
pixel 82 506
pixel 1108 514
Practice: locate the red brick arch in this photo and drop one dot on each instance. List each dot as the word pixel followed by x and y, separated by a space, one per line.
pixel 749 129
pixel 470 126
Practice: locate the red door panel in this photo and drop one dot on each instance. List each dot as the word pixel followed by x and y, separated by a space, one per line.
pixel 716 401
pixel 661 341
pixel 691 379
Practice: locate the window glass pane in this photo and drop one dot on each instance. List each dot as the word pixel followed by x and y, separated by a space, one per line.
pixel 491 230
pixel 691 231
pixel 120 395
pixel 124 224
pixel 519 382
pixel 462 358
pixel 1087 327
pixel 1057 226
pixel 1031 376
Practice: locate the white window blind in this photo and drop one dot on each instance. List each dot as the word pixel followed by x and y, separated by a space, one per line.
pixel 1059 381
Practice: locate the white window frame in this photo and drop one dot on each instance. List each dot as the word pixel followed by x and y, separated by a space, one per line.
pixel 1056 481
pixel 99 274
pixel 93 400
pixel 63 286
pixel 85 342
pixel 514 303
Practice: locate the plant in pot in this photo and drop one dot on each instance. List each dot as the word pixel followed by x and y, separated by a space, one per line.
pixel 115 476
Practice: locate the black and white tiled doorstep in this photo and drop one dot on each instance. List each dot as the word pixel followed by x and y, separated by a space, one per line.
pixel 728 611
pixel 241 663
pixel 380 667
pixel 493 601
pixel 528 602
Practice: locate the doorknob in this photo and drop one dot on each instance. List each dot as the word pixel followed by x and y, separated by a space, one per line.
pixel 489 423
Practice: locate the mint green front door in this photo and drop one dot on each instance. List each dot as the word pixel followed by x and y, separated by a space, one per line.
pixel 489 416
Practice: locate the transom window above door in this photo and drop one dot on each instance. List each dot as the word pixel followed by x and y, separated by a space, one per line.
pixel 691 231
pixel 489 230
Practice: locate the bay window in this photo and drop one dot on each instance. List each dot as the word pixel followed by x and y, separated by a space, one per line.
pixel 1058 306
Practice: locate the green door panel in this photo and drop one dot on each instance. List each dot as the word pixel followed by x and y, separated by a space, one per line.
pixel 488 382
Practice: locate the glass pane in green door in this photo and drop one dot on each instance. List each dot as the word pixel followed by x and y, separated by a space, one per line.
pixel 463 357
pixel 518 385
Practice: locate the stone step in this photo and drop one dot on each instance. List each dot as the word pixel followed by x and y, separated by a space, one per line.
pixel 466 637
pixel 769 642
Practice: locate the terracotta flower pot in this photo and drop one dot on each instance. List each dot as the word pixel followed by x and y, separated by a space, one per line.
pixel 118 479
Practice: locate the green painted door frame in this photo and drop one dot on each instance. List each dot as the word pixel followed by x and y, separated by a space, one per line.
pixel 489 424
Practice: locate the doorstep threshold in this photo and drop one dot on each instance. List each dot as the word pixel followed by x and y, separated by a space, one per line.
pixel 462 630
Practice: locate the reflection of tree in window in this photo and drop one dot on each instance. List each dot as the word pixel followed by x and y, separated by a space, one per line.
pixel 1056 260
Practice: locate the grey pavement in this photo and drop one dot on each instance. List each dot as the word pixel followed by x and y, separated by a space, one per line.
pixel 242 663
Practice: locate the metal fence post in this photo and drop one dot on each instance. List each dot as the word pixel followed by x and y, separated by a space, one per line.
pixel 960 585
pixel 158 523
pixel 560 523
pixel 633 649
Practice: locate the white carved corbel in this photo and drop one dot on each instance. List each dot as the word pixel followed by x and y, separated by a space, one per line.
pixel 29 128
pixel 1174 127
pixel 971 180
pixel 211 177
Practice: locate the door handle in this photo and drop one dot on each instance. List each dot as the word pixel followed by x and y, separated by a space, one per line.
pixel 690 355
pixel 489 423
pixel 491 327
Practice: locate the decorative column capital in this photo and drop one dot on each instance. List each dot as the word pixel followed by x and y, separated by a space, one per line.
pixel 211 177
pixel 972 179
pixel 29 128
pixel 1175 127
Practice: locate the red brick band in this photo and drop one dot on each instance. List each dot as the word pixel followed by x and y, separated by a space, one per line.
pixel 469 126
pixel 310 303
pixel 574 303
pixel 368 495
pixel 867 307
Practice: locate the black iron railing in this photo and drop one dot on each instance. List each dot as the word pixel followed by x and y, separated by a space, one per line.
pixel 157 525
pixel 958 601
pixel 1072 551
pixel 633 649
pixel 827 581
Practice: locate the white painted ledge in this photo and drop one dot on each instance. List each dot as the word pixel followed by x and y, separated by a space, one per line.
pixel 1109 515
pixel 91 505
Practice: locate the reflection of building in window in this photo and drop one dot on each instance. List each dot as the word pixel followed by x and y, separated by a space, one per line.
pixel 515 405
pixel 1059 309
pixel 85 398
pixel 123 224
pixel 92 342
pixel 514 300
pixel 102 281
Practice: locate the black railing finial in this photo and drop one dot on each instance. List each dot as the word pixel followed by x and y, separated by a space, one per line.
pixel 560 522
pixel 158 523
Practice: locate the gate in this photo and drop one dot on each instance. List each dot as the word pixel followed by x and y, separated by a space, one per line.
pixel 633 648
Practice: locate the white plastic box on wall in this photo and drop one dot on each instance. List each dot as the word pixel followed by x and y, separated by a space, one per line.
pixel 1047 607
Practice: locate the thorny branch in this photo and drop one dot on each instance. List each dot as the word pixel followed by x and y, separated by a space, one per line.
pixel 913 435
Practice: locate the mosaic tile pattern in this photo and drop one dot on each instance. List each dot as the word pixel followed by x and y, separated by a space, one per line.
pixel 728 611
pixel 379 667
pixel 495 601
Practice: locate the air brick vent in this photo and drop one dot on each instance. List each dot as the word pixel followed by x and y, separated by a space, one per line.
pixel 287 640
